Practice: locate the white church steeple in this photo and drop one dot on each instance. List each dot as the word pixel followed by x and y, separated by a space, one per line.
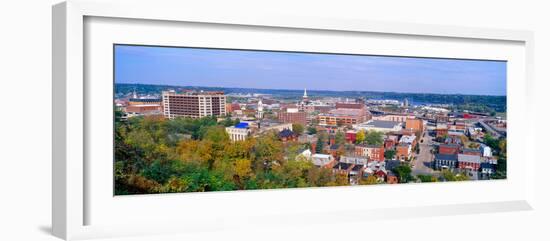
pixel 260 113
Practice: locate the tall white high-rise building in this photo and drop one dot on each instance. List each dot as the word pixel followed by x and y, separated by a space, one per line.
pixel 193 104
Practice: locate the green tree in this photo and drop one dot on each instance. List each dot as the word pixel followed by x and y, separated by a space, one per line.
pixel 243 168
pixel 370 180
pixel 175 184
pixel 340 179
pixel 403 173
pixel 311 130
pixel 462 177
pixel 448 176
pixel 389 154
pixel 159 171
pixel 340 138
pixel 267 150
pixel 118 114
pixel 228 122
pixel 426 178
pixel 491 141
pixel 502 147
pixel 298 128
pixel 216 134
pixel 321 141
pixel 374 138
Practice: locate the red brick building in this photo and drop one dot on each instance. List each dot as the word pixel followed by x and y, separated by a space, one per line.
pixel 448 149
pixel 144 109
pixel 351 136
pixel 293 116
pixel 404 151
pixel 350 105
pixel 469 162
pixel 374 153
pixel 416 125
pixel 230 108
pixel 389 143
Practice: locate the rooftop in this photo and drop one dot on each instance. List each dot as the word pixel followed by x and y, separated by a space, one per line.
pixel 470 150
pixel 408 138
pixel 334 147
pixel 347 112
pixel 342 166
pixel 145 100
pixel 450 145
pixel 447 157
pixel 321 156
pixel 488 165
pixel 242 125
pixel 391 164
pixel 357 168
pixel 469 158
pixel 381 124
pixel 193 92
pixel 370 146
pixel 286 133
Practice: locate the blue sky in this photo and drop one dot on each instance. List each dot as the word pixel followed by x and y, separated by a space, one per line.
pixel 285 70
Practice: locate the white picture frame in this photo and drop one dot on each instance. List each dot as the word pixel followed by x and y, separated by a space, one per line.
pixel 72 192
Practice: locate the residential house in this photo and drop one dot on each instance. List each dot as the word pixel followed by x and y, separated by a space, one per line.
pixel 322 160
pixel 380 175
pixel 288 135
pixel 488 168
pixel 445 161
pixel 351 136
pixel 403 151
pixel 373 152
pixel 390 142
pixel 342 167
pixel 415 125
pixel 408 139
pixel 357 160
pixel 486 151
pixel 469 162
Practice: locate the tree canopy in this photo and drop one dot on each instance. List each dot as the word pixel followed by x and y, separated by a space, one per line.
pixel 157 155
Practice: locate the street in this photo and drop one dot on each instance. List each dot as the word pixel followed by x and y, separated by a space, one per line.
pixel 422 161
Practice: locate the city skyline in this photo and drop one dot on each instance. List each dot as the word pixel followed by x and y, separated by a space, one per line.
pixel 313 71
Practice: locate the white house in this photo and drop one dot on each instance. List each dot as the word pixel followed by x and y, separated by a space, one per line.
pixel 306 154
pixel 357 160
pixel 321 159
pixel 408 139
pixel 487 151
pixel 238 132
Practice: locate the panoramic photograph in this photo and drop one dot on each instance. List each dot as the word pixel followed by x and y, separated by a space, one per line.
pixel 204 119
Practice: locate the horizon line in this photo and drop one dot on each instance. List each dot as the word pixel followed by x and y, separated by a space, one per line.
pixel 312 89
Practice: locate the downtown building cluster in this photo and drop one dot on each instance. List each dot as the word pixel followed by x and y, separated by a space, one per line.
pixel 426 138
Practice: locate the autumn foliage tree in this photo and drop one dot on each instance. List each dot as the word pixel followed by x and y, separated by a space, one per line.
pixel 158 155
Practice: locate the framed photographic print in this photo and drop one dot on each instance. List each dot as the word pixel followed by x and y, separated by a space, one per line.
pixel 206 122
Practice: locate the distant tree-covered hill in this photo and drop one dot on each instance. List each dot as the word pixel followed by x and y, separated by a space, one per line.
pixel 482 103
